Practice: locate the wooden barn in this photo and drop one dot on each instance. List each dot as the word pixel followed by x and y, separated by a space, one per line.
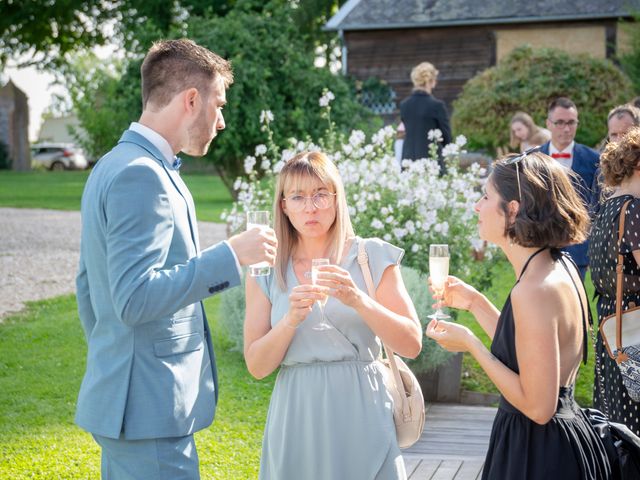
pixel 385 39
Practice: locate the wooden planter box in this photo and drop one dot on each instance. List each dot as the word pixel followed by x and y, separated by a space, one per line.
pixel 443 384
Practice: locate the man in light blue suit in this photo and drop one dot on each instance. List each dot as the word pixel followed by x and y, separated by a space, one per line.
pixel 151 379
pixel 562 122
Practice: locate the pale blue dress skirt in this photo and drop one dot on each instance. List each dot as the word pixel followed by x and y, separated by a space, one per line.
pixel 330 416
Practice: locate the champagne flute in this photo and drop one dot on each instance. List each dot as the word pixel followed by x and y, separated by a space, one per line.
pixel 258 218
pixel 315 263
pixel 438 272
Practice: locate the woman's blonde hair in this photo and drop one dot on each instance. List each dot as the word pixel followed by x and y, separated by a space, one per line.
pixel 309 165
pixel 527 121
pixel 423 74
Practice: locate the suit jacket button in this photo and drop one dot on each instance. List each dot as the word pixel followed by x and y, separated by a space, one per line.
pixel 212 290
pixel 225 284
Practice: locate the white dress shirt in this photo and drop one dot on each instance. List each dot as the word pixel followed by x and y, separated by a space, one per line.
pixel 565 162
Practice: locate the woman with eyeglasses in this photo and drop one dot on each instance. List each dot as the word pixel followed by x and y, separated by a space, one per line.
pixel 530 210
pixel 620 164
pixel 330 415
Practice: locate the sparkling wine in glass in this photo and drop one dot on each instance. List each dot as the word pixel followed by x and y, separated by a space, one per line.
pixel 438 272
pixel 258 219
pixel 315 263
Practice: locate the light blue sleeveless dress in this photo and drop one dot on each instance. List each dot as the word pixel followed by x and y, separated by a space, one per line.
pixel 330 416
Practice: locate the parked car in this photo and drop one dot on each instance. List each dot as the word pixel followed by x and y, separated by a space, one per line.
pixel 58 156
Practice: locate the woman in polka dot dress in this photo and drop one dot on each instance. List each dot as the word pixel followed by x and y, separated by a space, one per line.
pixel 620 164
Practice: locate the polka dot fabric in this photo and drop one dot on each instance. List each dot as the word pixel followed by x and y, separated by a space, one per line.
pixel 603 257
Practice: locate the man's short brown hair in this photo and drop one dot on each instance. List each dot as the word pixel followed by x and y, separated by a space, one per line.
pixel 172 66
pixel 562 102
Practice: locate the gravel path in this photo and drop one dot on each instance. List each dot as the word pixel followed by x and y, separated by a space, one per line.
pixel 39 252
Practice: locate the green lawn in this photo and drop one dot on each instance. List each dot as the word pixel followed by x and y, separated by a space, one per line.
pixel 62 191
pixel 41 365
pixel 474 378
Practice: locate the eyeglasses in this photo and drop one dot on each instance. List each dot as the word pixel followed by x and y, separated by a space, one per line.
pixel 562 123
pixel 320 200
pixel 517 159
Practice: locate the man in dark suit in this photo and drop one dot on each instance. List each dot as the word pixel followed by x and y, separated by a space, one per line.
pixel 562 122
pixel 422 112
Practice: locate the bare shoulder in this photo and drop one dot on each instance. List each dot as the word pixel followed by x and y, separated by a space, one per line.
pixel 540 296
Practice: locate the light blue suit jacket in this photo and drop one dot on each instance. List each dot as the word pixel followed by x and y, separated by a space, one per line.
pixel 151 369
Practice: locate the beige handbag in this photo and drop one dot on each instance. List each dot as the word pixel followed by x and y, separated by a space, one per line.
pixel 408 402
pixel 622 329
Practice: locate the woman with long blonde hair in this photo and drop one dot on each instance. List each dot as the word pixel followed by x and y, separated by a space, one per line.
pixel 330 414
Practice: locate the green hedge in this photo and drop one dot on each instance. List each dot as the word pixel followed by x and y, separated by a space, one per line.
pixel 528 80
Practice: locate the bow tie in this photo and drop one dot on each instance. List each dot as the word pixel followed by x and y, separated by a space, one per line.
pixel 560 155
pixel 177 163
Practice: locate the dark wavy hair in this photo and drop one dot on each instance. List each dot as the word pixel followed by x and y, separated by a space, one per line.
pixel 621 158
pixel 550 212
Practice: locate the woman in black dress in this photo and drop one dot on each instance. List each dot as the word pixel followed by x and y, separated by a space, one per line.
pixel 619 163
pixel 530 210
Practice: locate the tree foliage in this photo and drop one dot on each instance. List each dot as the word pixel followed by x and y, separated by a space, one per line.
pixel 528 80
pixel 630 60
pixel 274 70
pixel 44 32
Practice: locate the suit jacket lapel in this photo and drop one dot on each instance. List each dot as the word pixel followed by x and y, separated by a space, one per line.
pixel 130 136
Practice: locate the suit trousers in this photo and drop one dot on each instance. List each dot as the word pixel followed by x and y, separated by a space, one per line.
pixel 153 459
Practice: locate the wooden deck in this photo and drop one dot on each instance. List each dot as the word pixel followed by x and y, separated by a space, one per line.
pixel 453 444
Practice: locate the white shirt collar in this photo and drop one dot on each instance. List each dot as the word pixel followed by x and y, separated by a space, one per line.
pixel 568 149
pixel 565 162
pixel 156 139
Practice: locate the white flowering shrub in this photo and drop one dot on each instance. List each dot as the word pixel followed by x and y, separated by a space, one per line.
pixel 411 208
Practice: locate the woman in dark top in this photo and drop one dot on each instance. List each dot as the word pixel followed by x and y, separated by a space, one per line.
pixel 530 210
pixel 619 163
pixel 422 112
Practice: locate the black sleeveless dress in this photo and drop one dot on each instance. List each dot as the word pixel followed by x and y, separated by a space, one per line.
pixel 565 448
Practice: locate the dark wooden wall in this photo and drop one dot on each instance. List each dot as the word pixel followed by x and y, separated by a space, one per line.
pixel 458 53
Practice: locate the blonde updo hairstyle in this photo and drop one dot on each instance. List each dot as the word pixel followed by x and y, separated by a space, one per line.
pixel 620 159
pixel 303 167
pixel 423 75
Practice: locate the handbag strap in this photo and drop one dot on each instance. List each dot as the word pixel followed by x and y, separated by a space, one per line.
pixel 363 261
pixel 620 356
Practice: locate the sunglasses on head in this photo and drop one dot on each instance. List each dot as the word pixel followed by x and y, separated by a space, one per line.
pixel 517 159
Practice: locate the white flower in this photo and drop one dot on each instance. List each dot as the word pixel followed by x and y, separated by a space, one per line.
pixel 237 183
pixel 377 224
pixel 386 237
pixel 266 164
pixel 461 141
pixel 357 138
pixel 435 135
pixel 278 166
pixel 266 116
pixel 415 248
pixel 249 162
pixel 389 219
pixel 384 211
pixel 451 149
pixel 399 233
pixel 326 98
pixel 261 150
